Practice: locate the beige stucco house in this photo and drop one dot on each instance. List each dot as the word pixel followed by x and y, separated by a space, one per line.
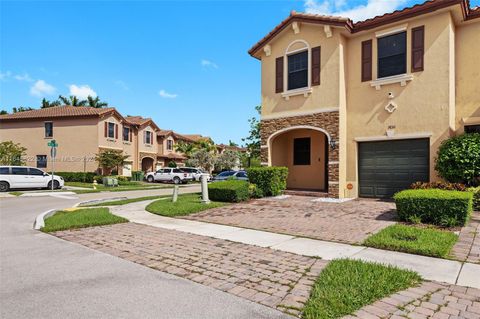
pixel 360 109
pixel 82 132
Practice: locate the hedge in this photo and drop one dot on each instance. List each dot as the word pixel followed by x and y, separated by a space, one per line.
pixel 232 191
pixel 476 197
pixel 434 206
pixel 272 180
pixel 85 177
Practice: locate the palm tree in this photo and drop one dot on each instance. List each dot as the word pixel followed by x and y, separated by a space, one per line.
pixel 95 102
pixel 46 103
pixel 72 100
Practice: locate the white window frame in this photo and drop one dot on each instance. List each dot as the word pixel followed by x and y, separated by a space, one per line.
pixel 305 91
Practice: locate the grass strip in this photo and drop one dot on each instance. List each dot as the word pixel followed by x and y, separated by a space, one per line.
pixel 345 286
pixel 186 204
pixel 81 218
pixel 126 201
pixel 414 240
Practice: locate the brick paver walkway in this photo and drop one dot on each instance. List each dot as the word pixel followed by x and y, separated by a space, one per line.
pixel 273 278
pixel 467 247
pixel 349 222
pixel 430 300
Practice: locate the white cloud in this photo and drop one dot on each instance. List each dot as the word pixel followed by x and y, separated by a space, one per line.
pixel 82 91
pixel 42 88
pixel 167 95
pixel 361 12
pixel 23 77
pixel 5 75
pixel 122 84
pixel 209 64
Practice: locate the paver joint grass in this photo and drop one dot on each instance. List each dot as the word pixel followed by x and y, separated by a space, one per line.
pixel 81 218
pixel 415 240
pixel 345 286
pixel 185 205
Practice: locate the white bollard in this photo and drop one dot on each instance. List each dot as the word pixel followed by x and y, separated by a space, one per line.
pixel 205 199
pixel 175 193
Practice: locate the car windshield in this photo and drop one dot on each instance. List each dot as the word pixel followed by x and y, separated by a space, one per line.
pixel 229 173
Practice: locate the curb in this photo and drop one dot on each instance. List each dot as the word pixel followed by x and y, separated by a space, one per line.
pixel 99 201
pixel 38 194
pixel 40 220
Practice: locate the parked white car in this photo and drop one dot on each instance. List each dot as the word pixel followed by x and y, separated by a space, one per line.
pixel 12 177
pixel 175 175
pixel 197 173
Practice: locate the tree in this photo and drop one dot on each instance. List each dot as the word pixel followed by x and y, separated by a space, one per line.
pixel 3 112
pixel 186 148
pixel 203 159
pixel 12 153
pixel 252 141
pixel 21 109
pixel 458 159
pixel 232 143
pixel 72 100
pixel 95 102
pixel 109 159
pixel 227 160
pixel 46 103
pixel 172 164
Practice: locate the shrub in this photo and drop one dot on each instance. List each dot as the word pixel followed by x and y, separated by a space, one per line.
pixel 254 191
pixel 272 181
pixel 434 206
pixel 439 185
pixel 84 177
pixel 476 197
pixel 229 191
pixel 457 159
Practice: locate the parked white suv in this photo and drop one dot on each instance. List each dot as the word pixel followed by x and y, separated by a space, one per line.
pixel 175 175
pixel 197 173
pixel 27 177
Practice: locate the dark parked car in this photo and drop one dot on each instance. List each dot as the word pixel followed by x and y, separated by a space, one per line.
pixel 223 176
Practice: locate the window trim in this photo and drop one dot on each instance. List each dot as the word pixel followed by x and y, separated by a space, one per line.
pixel 386 35
pixel 45 128
pixel 305 91
pixel 170 148
pixel 128 134
pixel 108 130
pixel 148 134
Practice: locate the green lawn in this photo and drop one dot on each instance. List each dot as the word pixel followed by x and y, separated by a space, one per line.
pixel 81 218
pixel 345 286
pixel 414 240
pixel 132 186
pixel 126 201
pixel 186 204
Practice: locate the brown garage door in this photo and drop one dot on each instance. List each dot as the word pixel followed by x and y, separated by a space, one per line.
pixel 387 167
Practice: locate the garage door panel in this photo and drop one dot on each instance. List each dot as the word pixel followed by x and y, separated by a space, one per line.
pixel 388 167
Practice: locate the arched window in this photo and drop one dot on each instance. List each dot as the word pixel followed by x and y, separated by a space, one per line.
pixel 298 59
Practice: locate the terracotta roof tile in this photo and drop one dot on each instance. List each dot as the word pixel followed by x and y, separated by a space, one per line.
pixel 57 112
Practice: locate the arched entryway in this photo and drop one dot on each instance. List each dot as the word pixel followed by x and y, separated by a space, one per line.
pixel 147 164
pixel 304 150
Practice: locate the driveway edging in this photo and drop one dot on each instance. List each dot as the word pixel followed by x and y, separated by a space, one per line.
pixel 39 222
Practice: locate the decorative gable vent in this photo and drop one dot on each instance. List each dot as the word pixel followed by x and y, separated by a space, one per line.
pixel 391 107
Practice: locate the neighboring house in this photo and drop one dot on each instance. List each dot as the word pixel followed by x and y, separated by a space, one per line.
pixel 167 140
pixel 83 132
pixel 360 109
pixel 221 148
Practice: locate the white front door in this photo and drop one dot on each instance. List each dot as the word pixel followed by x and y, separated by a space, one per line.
pixel 127 170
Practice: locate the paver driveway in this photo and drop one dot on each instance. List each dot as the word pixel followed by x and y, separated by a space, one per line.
pixel 270 277
pixel 349 222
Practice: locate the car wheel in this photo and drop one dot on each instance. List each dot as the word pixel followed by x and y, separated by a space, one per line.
pixel 4 186
pixel 176 180
pixel 56 185
pixel 150 179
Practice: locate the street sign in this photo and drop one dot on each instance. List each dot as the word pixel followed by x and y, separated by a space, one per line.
pixel 52 143
pixel 53 152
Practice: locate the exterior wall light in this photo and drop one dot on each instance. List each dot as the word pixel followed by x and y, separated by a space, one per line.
pixel 333 144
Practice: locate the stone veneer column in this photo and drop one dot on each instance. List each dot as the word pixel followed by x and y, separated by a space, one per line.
pixel 327 121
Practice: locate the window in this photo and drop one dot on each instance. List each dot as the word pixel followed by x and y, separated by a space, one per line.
pixel 4 171
pixel 111 130
pixel 472 128
pixel 148 137
pixel 36 172
pixel 298 70
pixel 392 55
pixel 169 145
pixel 41 161
pixel 301 151
pixel 19 171
pixel 126 133
pixel 177 170
pixel 48 129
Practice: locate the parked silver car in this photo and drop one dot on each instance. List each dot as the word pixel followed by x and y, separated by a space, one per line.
pixel 197 173
pixel 223 176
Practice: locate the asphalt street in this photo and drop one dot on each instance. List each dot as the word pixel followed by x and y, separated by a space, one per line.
pixel 42 276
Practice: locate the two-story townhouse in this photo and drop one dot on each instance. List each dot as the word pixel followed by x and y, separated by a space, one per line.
pixel 167 152
pixel 360 109
pixel 147 146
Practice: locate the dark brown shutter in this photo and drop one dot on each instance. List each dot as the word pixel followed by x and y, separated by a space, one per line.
pixel 279 75
pixel 130 133
pixel 367 60
pixel 106 129
pixel 316 66
pixel 116 131
pixel 418 48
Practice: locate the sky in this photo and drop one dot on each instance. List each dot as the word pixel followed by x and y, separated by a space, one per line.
pixel 183 63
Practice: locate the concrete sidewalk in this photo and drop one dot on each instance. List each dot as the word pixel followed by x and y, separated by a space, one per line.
pixel 442 270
